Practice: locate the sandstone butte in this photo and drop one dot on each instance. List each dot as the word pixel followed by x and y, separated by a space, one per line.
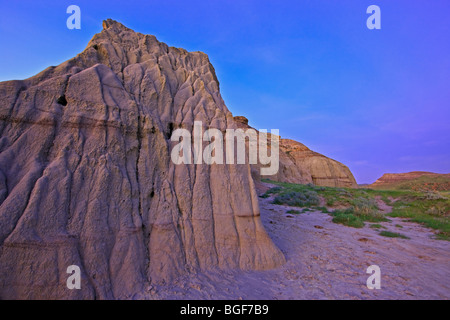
pixel 418 178
pixel 86 177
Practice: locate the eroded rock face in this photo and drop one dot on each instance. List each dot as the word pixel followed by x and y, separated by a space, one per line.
pixel 299 164
pixel 86 177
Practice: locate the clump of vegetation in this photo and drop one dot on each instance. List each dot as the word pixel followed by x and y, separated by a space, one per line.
pixel 271 191
pixel 392 235
pixel 294 212
pixel 356 216
pixel 307 198
pixel 348 218
pixel 433 195
pixel 366 206
pixel 439 210
pixel 322 209
pixel 377 226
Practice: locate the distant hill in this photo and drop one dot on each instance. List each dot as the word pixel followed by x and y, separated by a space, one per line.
pixel 416 180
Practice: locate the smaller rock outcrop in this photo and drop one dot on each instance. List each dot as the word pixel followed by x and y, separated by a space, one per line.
pixel 299 164
pixel 415 180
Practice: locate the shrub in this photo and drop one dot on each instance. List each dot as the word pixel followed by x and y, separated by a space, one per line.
pixel 356 215
pixel 323 209
pixel 432 195
pixel 365 206
pixel 392 235
pixel 348 218
pixel 305 198
pixel 271 191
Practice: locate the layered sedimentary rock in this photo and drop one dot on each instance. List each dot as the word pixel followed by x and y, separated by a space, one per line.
pixel 299 164
pixel 86 177
pixel 416 180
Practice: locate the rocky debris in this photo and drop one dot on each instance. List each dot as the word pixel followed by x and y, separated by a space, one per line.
pixel 299 164
pixel 86 177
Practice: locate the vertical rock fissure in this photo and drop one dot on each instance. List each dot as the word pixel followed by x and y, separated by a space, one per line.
pixel 145 232
pixel 10 111
pixel 45 154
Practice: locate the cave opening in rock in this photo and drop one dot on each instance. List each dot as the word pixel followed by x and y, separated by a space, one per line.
pixel 62 100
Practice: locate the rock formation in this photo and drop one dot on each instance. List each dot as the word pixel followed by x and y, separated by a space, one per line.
pixel 86 177
pixel 416 180
pixel 299 164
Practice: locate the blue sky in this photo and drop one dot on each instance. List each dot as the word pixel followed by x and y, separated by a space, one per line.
pixel 376 100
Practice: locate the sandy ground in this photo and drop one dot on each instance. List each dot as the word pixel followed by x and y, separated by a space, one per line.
pixel 329 261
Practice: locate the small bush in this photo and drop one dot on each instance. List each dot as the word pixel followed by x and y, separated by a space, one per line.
pixel 348 218
pixel 271 191
pixel 392 235
pixel 437 210
pixel 322 209
pixel 306 198
pixel 365 206
pixel 356 215
pixel 294 212
pixel 432 195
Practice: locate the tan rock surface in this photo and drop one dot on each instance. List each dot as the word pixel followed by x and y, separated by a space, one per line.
pixel 299 164
pixel 86 177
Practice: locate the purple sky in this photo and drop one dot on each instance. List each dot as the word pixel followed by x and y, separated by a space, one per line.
pixel 376 100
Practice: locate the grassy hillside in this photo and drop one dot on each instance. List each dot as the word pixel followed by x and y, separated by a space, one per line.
pixel 356 207
pixel 423 183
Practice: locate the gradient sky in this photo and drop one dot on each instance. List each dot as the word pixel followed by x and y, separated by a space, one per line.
pixel 376 100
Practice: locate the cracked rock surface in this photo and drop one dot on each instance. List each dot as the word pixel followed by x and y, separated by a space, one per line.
pixel 86 177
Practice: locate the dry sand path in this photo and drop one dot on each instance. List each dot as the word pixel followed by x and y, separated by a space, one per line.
pixel 329 261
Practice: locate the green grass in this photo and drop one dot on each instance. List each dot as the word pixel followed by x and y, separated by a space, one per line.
pixel 392 235
pixel 377 226
pixel 294 212
pixel 353 207
pixel 347 218
pixel 303 198
pixel 322 209
pixel 433 213
pixel 355 217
